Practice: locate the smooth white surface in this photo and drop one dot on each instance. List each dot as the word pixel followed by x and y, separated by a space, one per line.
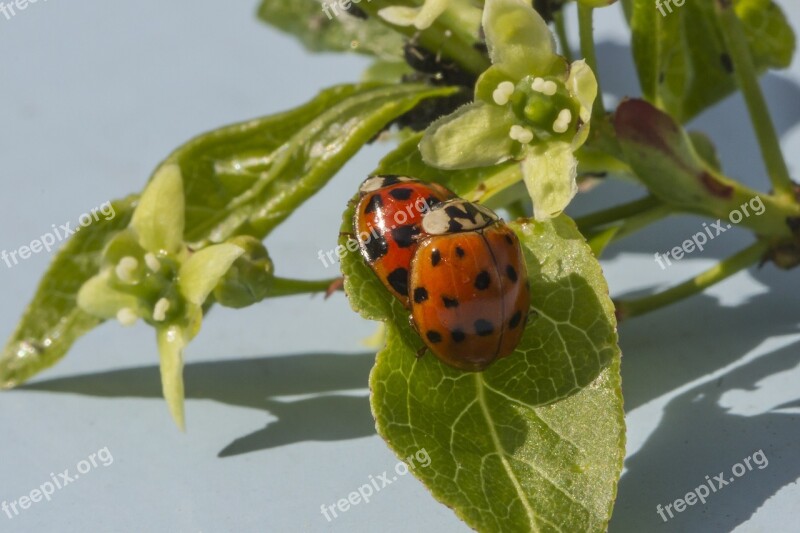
pixel 95 93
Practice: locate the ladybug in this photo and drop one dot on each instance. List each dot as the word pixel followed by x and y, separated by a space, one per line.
pixel 387 222
pixel 469 288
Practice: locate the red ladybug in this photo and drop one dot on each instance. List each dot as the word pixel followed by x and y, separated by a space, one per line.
pixel 469 288
pixel 387 225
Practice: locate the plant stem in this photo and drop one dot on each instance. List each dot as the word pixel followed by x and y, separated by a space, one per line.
pixel 756 104
pixel 723 270
pixel 642 220
pixel 585 15
pixel 619 212
pixel 561 33
pixel 290 287
pixel 437 38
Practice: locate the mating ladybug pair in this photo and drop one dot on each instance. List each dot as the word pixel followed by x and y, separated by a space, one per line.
pixel 453 263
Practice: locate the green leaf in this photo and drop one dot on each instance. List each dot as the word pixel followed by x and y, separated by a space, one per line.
pixel 479 183
pixel 53 320
pixel 204 270
pixel 680 56
pixel 318 32
pixel 475 135
pixel 519 41
pixel 159 217
pixel 665 159
pixel 550 173
pixel 247 178
pixel 171 342
pixel 535 442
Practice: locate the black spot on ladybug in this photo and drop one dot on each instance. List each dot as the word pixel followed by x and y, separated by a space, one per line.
pixel 375 248
pixel 727 63
pixel 432 201
pixel 483 327
pixel 449 302
pixel 458 335
pixel 460 251
pixel 436 256
pixel 509 240
pixel 374 203
pixel 398 279
pixel 482 281
pixel 515 320
pixel 420 295
pixel 401 193
pixel 404 235
pixel 511 273
pixel 434 336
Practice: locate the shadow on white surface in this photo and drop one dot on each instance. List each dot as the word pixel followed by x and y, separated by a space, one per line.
pixel 255 383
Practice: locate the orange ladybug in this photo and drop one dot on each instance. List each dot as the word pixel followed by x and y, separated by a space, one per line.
pixel 387 225
pixel 469 288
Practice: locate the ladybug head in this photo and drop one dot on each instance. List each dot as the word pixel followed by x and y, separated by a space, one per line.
pixel 374 183
pixel 457 215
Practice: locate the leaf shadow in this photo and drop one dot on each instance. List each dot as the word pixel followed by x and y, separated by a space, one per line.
pixel 257 383
pixel 697 435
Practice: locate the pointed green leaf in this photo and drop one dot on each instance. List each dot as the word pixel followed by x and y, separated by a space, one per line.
pixel 682 62
pixel 420 17
pixel 550 173
pixel 99 299
pixel 248 178
pixel 171 342
pixel 53 320
pixel 204 269
pixel 159 218
pixel 331 31
pixel 518 38
pixel 475 135
pixel 534 443
pixel 244 178
pixel 664 158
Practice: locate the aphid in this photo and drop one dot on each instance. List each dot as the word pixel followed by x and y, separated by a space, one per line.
pixel 387 225
pixel 469 289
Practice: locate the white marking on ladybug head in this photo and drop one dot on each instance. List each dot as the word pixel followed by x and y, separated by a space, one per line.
pixel 373 183
pixel 457 215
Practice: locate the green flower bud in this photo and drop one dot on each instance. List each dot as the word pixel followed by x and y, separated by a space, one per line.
pixel 249 280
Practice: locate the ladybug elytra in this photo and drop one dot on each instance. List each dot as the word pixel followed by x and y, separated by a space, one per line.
pixel 387 225
pixel 469 288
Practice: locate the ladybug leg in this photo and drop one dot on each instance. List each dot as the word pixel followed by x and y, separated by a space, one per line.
pixel 413 325
pixel 347 234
